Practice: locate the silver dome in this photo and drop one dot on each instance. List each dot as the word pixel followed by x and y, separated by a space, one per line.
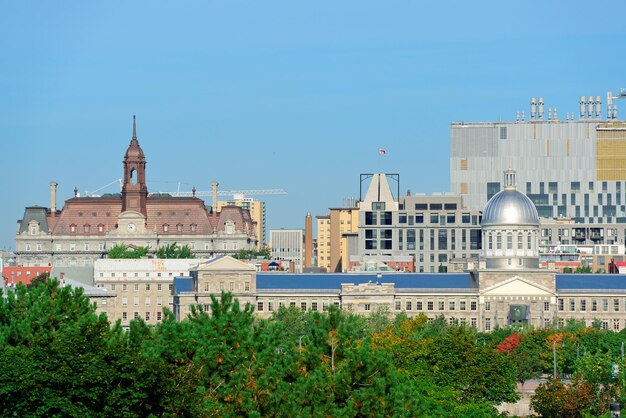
pixel 510 207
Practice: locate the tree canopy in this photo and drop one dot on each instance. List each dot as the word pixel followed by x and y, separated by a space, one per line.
pixel 264 253
pixel 124 251
pixel 174 250
pixel 58 357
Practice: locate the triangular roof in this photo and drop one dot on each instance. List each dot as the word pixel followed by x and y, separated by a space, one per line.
pixel 517 286
pixel 379 191
pixel 225 262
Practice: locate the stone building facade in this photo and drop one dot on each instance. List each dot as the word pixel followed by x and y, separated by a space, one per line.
pixel 433 230
pixel 506 287
pixel 87 227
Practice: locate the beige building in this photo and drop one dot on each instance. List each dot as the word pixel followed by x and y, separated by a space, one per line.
pixel 434 230
pixel 331 242
pixel 86 227
pixel 322 255
pixel 257 213
pixel 142 288
pixel 212 277
pixel 506 287
pixel 288 245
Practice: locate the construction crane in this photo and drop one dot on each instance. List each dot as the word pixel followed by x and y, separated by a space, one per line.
pixel 92 192
pixel 199 193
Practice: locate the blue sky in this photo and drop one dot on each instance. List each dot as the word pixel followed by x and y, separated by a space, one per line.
pixel 279 94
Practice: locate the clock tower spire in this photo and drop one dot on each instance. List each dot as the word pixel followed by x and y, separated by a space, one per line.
pixel 134 190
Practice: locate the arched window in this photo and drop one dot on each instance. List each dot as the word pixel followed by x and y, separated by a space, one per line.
pixel 520 241
pixel 530 241
pixel 509 241
pixel 499 241
pixel 133 178
pixel 490 241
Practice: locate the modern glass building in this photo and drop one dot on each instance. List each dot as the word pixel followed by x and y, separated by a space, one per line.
pixel 569 168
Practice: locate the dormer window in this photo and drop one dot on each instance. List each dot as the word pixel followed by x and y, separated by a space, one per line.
pixel 73 228
pixel 179 227
pixel 194 227
pixel 166 227
pixel 100 228
pixel 86 228
pixel 230 227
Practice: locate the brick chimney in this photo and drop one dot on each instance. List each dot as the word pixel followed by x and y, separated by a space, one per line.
pixel 53 198
pixel 214 185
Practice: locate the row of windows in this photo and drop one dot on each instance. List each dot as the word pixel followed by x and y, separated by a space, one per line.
pixel 604 323
pixel 59 247
pixel 18 273
pixel 304 304
pixel 441 239
pixel 593 305
pixel 147 274
pixel 232 286
pixel 136 286
pixel 159 316
pixel 385 218
pixel 452 305
pixel 87 228
pixel 102 247
pixel 509 241
pixel 147 301
pixel 441 305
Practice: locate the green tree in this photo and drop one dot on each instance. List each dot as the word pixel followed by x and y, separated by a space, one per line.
pixel 173 250
pixel 555 399
pixel 596 370
pixel 479 373
pixel 42 278
pixel 265 253
pixel 583 270
pixel 71 362
pixel 124 251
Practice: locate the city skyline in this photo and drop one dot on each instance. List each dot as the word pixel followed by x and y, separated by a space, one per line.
pixel 298 97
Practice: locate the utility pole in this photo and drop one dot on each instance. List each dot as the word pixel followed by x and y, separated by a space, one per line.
pixel 554 358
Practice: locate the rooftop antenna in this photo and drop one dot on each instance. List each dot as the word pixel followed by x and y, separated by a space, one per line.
pixel 612 113
pixel 582 107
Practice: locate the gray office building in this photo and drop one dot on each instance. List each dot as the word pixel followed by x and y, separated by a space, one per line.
pixel 572 167
pixel 436 231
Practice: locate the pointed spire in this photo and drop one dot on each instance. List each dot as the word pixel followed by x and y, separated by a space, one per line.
pixel 134 129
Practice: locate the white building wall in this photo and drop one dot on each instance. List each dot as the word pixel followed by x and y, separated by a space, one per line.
pixel 288 245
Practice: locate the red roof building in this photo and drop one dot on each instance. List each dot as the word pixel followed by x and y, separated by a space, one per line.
pixel 15 275
pixel 87 227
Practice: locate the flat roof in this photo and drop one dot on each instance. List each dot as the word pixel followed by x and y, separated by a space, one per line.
pixel 573 281
pixel 269 281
